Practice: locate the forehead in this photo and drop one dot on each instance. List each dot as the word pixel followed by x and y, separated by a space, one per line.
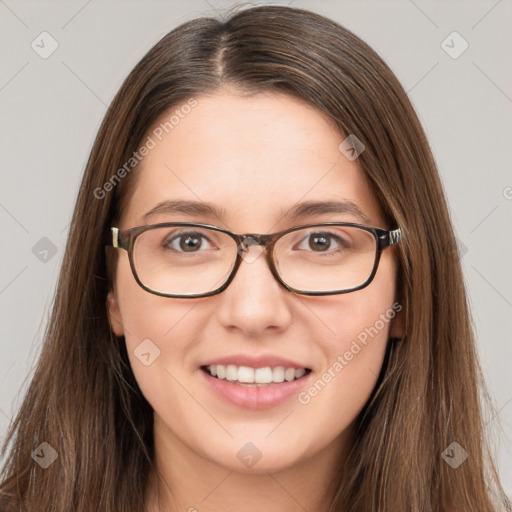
pixel 252 156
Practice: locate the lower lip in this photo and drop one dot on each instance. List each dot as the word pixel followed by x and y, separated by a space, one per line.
pixel 255 397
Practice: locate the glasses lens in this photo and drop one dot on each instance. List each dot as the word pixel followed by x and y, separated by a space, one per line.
pixel 325 258
pixel 183 260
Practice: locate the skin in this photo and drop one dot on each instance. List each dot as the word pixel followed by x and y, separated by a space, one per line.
pixel 252 155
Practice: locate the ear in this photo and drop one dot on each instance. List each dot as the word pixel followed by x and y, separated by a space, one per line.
pixel 114 313
pixel 397 329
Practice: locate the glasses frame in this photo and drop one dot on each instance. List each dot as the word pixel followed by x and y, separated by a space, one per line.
pixel 126 240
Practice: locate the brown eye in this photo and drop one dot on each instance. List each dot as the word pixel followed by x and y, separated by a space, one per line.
pixel 320 241
pixel 323 241
pixel 186 242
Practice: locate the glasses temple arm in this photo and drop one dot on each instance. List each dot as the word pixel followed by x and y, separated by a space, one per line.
pixel 394 236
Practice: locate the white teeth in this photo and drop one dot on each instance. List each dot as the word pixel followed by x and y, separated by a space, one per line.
pixel 299 373
pixel 221 371
pixel 263 375
pixel 245 374
pixel 289 374
pixel 248 375
pixel 278 374
pixel 231 372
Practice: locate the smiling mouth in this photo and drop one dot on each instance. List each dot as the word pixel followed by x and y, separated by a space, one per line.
pixel 255 377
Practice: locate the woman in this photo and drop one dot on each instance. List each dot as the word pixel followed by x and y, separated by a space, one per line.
pixel 261 304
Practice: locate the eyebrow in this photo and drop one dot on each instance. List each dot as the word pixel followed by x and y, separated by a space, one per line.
pixel 304 209
pixel 190 208
pixel 309 208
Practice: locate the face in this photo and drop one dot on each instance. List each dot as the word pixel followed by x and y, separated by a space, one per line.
pixel 253 157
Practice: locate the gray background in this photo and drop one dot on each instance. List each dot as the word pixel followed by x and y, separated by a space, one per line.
pixel 50 110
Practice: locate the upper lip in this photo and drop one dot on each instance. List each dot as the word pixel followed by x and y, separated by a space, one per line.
pixel 261 361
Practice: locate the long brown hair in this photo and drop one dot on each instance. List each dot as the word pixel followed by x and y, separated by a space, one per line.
pixel 83 399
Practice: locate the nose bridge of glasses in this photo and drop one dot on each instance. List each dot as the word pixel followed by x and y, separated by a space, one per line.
pixel 252 239
pixel 261 243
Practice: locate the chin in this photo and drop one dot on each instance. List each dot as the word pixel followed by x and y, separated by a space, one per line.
pixel 256 456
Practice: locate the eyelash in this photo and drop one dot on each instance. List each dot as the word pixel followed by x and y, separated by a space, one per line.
pixel 183 235
pixel 342 243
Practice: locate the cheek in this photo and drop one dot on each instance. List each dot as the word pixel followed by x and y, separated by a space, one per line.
pixel 340 390
pixel 158 332
pixel 357 329
pixel 361 315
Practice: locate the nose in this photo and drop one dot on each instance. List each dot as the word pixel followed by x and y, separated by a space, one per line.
pixel 254 302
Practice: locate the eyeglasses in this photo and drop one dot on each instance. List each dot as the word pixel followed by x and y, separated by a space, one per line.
pixel 190 260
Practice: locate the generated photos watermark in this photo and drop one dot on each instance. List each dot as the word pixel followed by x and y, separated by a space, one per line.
pixel 157 135
pixel 343 360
